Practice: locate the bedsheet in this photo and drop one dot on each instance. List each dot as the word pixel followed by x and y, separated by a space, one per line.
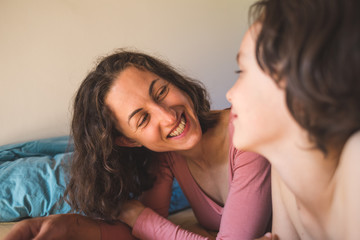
pixel 33 179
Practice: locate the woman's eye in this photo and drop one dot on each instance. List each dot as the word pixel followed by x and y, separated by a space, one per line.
pixel 143 120
pixel 162 92
pixel 238 71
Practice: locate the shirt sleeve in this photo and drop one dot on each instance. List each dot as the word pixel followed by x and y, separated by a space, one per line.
pixel 150 225
pixel 152 222
pixel 247 211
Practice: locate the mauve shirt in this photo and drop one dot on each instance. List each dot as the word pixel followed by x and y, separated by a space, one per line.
pixel 245 215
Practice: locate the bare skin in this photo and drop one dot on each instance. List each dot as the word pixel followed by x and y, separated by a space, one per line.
pixel 53 227
pixel 329 215
pixel 210 167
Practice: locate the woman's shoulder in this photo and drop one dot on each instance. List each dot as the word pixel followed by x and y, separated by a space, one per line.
pixel 223 118
pixel 244 158
pixel 219 132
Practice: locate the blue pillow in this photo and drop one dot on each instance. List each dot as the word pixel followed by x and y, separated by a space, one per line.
pixel 32 179
pixel 178 200
pixel 32 187
pixel 43 147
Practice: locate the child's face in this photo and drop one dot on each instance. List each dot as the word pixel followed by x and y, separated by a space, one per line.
pixel 258 105
pixel 152 112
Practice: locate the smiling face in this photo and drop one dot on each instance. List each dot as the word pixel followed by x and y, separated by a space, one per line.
pixel 152 112
pixel 260 116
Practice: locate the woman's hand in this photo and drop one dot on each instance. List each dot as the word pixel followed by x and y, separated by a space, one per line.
pixel 268 236
pixel 131 211
pixel 61 226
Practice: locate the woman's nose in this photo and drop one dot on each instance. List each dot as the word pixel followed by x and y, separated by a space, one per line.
pixel 167 115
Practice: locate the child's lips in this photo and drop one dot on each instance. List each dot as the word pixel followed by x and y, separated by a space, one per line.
pixel 232 115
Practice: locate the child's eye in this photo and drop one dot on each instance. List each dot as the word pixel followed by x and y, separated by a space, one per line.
pixel 238 71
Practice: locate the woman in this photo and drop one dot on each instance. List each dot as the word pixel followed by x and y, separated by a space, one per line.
pixel 297 102
pixel 137 124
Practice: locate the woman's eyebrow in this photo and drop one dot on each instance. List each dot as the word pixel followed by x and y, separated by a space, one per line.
pixel 133 113
pixel 152 86
pixel 150 93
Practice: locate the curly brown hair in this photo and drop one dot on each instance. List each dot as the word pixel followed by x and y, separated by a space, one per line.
pixel 315 46
pixel 103 174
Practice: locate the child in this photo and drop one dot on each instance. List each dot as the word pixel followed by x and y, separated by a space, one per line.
pixel 297 102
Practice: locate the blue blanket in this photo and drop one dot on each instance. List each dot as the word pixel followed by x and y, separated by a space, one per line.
pixel 32 179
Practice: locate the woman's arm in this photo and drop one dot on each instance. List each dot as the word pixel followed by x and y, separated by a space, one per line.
pixel 247 211
pixel 149 220
pixel 156 198
pixel 61 226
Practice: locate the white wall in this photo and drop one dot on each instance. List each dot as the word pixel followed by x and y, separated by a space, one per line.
pixel 48 46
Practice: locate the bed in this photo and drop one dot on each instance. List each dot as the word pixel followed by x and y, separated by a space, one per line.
pixel 33 180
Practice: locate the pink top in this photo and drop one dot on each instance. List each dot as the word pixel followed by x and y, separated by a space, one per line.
pixel 246 214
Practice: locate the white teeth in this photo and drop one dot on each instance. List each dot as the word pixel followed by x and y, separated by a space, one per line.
pixel 180 128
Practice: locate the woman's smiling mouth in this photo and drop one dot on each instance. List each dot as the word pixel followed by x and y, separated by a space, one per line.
pixel 179 129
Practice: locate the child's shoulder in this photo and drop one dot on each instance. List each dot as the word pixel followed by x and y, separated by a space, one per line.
pixel 347 175
pixel 346 206
pixel 350 155
pixel 353 142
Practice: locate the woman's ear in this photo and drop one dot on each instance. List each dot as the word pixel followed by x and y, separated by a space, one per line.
pixel 123 141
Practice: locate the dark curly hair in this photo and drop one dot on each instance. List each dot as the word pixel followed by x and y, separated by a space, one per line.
pixel 103 174
pixel 315 46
